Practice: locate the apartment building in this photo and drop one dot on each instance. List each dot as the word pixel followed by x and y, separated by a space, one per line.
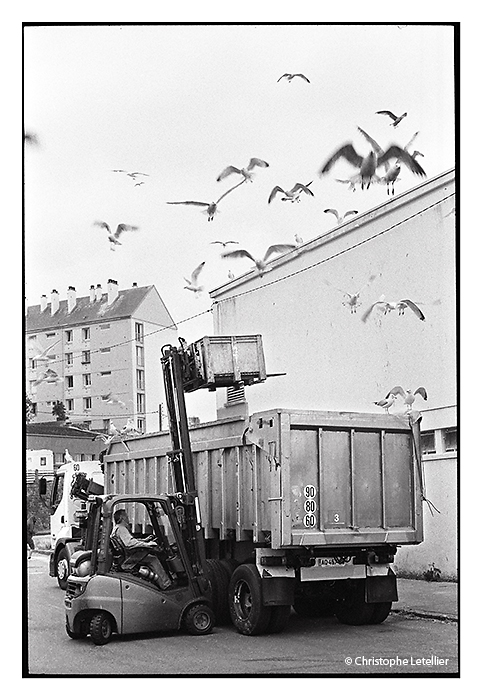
pixel 99 355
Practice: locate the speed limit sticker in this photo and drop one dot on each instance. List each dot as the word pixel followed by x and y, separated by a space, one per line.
pixel 309 520
pixel 310 491
pixel 310 506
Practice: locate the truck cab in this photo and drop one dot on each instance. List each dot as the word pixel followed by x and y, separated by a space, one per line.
pixel 65 512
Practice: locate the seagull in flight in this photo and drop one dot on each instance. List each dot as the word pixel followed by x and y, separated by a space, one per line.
pixel 133 175
pixel 408 395
pixel 225 243
pixel 193 284
pixel 48 376
pixel 353 300
pixel 341 219
pixel 387 306
pixel 261 263
pixel 114 237
pixel 289 77
pixel 368 164
pixel 211 208
pixel 292 195
pixel 387 402
pixel 245 172
pixel 395 120
pixel 42 356
pixel 112 399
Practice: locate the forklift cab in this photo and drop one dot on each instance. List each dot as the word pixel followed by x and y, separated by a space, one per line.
pixel 113 590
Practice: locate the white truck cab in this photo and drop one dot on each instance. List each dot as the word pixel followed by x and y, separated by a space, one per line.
pixel 64 515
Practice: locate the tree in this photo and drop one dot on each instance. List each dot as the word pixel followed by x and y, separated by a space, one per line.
pixel 58 410
pixel 29 409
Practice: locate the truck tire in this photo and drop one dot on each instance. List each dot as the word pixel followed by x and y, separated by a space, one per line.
pixel 62 569
pixel 101 628
pixel 219 578
pixel 353 610
pixel 248 613
pixel 199 619
pixel 280 614
pixel 380 613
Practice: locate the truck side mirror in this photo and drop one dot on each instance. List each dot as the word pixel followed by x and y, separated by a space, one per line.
pixel 42 486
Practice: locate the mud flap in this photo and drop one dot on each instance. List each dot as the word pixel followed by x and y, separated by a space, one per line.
pixel 278 591
pixel 381 589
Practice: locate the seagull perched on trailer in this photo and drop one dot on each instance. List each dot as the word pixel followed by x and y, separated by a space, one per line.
pixel 368 164
pixel 408 395
pixel 292 195
pixel 387 306
pixel 245 172
pixel 261 262
pixel 395 120
pixel 387 402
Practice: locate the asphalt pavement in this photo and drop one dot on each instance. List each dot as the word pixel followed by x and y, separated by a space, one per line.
pixel 432 599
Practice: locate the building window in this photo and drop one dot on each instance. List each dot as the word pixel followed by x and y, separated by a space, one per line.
pixel 141 425
pixel 104 374
pixel 69 404
pixel 106 423
pixel 34 409
pixel 139 331
pixel 87 379
pixel 69 358
pixel 428 442
pixel 69 336
pixel 450 439
pixel 85 333
pixel 58 458
pixel 33 364
pixel 87 403
pixel 140 356
pixel 85 357
pixel 69 380
pixel 50 335
pixel 140 379
pixel 43 461
pixel 141 403
pixel 105 349
pixel 105 326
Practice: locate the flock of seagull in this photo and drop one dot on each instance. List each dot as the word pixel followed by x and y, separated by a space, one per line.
pixel 366 166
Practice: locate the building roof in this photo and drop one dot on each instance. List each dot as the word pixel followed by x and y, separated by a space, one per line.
pixel 59 429
pixel 86 311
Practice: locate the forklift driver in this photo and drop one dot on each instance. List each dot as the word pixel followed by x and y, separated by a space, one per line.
pixel 122 533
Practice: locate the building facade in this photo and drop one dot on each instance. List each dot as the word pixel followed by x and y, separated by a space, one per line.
pixel 337 356
pixel 99 355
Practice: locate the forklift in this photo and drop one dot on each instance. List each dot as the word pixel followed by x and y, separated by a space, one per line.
pixel 108 593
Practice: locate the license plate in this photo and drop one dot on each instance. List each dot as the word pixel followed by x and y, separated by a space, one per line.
pixel 332 561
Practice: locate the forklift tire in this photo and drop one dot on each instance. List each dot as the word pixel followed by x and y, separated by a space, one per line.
pixel 219 578
pixel 248 613
pixel 62 569
pixel 280 615
pixel 381 612
pixel 199 619
pixel 101 628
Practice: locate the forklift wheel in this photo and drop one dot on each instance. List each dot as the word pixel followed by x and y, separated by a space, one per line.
pixel 101 628
pixel 199 620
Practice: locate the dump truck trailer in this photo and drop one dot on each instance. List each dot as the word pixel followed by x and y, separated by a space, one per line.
pixel 297 508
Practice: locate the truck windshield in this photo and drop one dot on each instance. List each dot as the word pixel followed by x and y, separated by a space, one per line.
pixel 57 492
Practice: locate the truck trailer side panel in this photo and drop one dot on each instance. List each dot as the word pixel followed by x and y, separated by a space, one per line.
pixel 289 478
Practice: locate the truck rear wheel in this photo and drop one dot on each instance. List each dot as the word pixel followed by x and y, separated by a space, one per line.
pixel 199 619
pixel 353 610
pixel 248 613
pixel 62 569
pixel 101 628
pixel 381 612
